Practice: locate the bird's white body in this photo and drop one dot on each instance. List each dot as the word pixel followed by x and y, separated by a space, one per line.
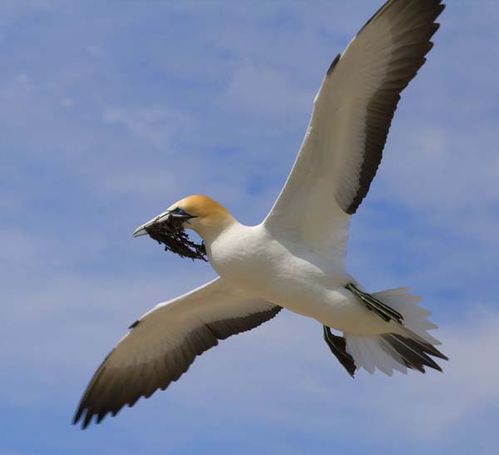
pixel 290 275
pixel 294 259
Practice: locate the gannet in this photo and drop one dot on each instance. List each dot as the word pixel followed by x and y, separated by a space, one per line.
pixel 294 259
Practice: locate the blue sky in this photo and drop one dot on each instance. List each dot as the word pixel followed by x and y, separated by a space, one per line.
pixel 110 111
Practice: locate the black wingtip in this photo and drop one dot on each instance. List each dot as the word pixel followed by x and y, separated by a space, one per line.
pixel 78 419
pixel 77 416
pixel 87 420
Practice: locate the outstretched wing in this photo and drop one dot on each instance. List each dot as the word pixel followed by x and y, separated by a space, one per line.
pixel 163 343
pixel 351 117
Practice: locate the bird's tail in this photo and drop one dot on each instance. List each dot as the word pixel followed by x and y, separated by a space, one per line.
pixel 410 347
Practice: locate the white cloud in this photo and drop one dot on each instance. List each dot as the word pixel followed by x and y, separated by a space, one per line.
pixel 20 86
pixel 140 182
pixel 156 125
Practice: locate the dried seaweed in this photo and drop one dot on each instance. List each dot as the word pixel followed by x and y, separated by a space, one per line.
pixel 171 234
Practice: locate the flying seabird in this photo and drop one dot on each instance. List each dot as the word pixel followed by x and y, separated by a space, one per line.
pixel 294 259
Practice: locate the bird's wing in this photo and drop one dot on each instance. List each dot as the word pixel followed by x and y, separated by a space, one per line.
pixel 350 120
pixel 163 343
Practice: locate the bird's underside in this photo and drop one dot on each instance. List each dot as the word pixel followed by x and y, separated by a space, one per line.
pixel 337 161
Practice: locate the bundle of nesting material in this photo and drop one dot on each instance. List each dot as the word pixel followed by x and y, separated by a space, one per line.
pixel 176 240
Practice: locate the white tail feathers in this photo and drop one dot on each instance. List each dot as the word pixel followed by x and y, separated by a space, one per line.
pixel 410 347
pixel 415 317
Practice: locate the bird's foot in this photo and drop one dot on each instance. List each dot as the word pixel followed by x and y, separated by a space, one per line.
pixel 372 303
pixel 337 345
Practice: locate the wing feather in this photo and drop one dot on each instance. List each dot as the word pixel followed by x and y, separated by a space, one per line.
pixel 163 344
pixel 351 117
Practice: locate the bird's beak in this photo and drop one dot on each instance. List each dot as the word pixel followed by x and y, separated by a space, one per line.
pixel 161 218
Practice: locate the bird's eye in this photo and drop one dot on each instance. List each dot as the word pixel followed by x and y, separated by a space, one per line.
pixel 179 211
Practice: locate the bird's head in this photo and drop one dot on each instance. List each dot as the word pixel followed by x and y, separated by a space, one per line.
pixel 199 213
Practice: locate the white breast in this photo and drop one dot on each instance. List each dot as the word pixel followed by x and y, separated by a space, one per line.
pixel 284 274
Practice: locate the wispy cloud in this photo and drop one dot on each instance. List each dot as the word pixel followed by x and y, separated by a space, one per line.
pixel 154 124
pixel 263 90
pixel 109 114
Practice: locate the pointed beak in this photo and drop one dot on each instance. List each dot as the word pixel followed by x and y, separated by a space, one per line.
pixel 142 230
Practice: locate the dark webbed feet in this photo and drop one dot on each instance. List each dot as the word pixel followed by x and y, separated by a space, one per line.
pixel 373 304
pixel 337 345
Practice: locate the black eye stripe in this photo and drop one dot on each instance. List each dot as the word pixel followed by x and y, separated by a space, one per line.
pixel 181 213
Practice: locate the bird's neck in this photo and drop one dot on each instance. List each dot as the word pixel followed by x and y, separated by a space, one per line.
pixel 210 230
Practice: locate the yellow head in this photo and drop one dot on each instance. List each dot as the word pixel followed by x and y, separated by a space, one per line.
pixel 202 207
pixel 200 213
pixel 204 215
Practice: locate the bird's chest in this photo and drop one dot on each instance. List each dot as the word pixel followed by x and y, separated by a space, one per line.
pixel 243 255
pixel 252 259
